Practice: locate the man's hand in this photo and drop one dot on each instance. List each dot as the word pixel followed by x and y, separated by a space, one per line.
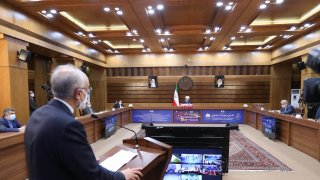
pixel 22 128
pixel 132 174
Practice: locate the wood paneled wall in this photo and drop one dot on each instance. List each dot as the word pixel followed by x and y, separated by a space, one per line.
pixel 238 89
pixel 189 70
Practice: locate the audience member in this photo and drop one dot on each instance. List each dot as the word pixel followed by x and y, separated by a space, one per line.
pixel 56 144
pixel 286 108
pixel 118 105
pixel 8 122
pixel 32 104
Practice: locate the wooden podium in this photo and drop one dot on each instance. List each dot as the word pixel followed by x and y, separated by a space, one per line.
pixel 153 157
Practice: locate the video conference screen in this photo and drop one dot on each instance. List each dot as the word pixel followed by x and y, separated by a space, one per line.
pixel 269 125
pixel 195 164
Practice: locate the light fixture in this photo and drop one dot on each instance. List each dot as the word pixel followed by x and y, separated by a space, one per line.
pixel 165 49
pixel 279 1
pixel 90 35
pixel 233 38
pixel 53 11
pixel 116 8
pixel 49 15
pixel 129 34
pixel 248 30
pixel 206 48
pixel 134 39
pixel 293 28
pixel 160 7
pixel 259 47
pixel 211 38
pixel 263 6
pixel 135 31
pixel 200 49
pixel 267 2
pixel 171 49
pixel 208 31
pixel 141 40
pixel 217 29
pixel 119 12
pixel 228 6
pixel 158 31
pixel 166 32
pixel 219 4
pixel 106 9
pixel 150 11
pixel 162 40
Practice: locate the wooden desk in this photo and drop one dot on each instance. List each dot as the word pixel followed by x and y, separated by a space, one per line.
pixel 302 134
pixel 13 163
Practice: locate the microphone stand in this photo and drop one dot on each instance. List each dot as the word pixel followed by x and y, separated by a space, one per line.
pixel 135 134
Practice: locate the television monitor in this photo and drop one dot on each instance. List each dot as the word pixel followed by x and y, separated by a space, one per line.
pixel 110 127
pixel 269 125
pixel 24 55
pixel 195 163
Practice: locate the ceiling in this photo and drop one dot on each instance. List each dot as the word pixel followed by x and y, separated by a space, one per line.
pixel 143 26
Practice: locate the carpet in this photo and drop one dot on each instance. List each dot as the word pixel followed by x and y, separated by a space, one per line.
pixel 245 155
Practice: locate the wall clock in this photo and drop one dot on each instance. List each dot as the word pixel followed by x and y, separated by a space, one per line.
pixel 185 83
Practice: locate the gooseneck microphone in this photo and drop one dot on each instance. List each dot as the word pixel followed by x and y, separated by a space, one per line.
pixel 135 134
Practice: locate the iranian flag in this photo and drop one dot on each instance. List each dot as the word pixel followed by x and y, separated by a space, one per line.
pixel 176 97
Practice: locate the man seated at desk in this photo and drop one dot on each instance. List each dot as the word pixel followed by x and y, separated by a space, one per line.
pixel 8 122
pixel 187 103
pixel 118 105
pixel 286 108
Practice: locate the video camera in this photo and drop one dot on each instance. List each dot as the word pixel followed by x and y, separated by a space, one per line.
pixel 311 88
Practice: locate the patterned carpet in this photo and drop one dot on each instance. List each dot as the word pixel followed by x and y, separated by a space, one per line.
pixel 246 155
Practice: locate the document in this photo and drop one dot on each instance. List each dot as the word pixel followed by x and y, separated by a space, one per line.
pixel 119 159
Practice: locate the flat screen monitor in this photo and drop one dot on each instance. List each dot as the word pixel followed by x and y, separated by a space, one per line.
pixel 195 164
pixel 24 55
pixel 110 127
pixel 269 126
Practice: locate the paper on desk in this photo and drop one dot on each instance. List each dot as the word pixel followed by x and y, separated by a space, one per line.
pixel 119 159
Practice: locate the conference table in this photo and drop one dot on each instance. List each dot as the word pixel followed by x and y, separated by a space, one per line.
pixel 300 133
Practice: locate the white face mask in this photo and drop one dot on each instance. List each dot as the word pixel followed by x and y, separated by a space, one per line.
pixel 12 117
pixel 283 106
pixel 32 95
pixel 83 103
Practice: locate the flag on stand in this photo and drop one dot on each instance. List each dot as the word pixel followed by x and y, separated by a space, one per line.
pixel 176 97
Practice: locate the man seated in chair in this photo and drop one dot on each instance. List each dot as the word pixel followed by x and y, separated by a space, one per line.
pixel 286 108
pixel 8 122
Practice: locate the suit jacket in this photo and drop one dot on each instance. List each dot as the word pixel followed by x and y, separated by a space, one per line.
pixel 288 110
pixel 5 127
pixel 57 147
pixel 118 106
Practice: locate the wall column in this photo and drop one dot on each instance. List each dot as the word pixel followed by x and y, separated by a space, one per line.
pixel 98 83
pixel 14 78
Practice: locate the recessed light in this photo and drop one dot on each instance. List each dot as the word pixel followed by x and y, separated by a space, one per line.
pixel 229 48
pixel 233 38
pixel 206 48
pixel 259 47
pixel 135 31
pixel 217 29
pixel 263 6
pixel 211 38
pixel 200 49
pixel 49 15
pixel 170 49
pixel 149 7
pixel 160 7
pixel 166 32
pixel 267 2
pixel 142 40
pixel 129 34
pixel 158 31
pixel 150 11
pixel 219 4
pixel 248 30
pixel 230 3
pixel 165 49
pixel 208 31
pixel 293 28
pixel 242 27
pixel 162 40
pixel 43 11
pixel 90 35
pixel 116 51
pixel 107 9
pixel 119 12
pixel 134 39
pixel 116 8
pixel 53 11
pixel 228 7
pixel 306 25
pixel 148 49
pixel 279 1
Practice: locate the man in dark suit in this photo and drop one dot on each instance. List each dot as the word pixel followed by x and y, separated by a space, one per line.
pixel 32 104
pixel 56 144
pixel 286 108
pixel 118 105
pixel 8 122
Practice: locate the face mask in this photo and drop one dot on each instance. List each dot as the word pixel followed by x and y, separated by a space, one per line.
pixel 12 117
pixel 83 103
pixel 283 106
pixel 32 95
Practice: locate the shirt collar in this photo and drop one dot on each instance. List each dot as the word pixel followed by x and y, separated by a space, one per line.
pixel 65 103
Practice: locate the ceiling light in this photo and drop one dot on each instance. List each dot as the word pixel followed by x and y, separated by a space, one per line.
pixel 43 11
pixel 149 7
pixel 160 7
pixel 90 35
pixel 211 38
pixel 230 3
pixel 267 2
pixel 242 27
pixel 259 47
pixel 233 38
pixel 162 40
pixel 49 15
pixel 170 49
pixel 219 4
pixel 53 11
pixel 165 49
pixel 143 50
pixel 142 40
pixel 148 49
pixel 306 25
pixel 167 32
pixel 94 42
pixel 106 9
pixel 99 40
pixel 135 31
pixel 119 12
pixel 208 31
pixel 116 51
pixel 129 34
pixel 109 50
pixel 263 6
pixel 217 29
pixel 116 8
pixel 206 48
pixel 158 31
pixel 200 49
pixel 229 48
pixel 248 30
pixel 279 1
pixel 228 8
pixel 150 11
pixel 134 39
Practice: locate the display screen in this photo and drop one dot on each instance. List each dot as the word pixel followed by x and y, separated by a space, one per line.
pixel 269 127
pixel 195 164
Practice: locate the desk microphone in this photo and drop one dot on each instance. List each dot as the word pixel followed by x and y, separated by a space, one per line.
pixel 109 122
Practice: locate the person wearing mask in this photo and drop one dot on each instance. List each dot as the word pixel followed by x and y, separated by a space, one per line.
pixel 32 104
pixel 286 108
pixel 118 105
pixel 8 122
pixel 56 144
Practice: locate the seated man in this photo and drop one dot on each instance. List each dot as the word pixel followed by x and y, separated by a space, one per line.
pixel 8 122
pixel 286 108
pixel 187 100
pixel 118 105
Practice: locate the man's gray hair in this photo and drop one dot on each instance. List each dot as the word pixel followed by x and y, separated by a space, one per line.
pixel 6 111
pixel 65 79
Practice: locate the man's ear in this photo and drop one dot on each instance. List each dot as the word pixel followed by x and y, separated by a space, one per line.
pixel 78 94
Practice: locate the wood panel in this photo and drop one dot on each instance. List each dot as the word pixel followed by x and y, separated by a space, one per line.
pixel 90 130
pixel 305 139
pixel 189 70
pixel 250 119
pixel 282 131
pixel 259 122
pixel 238 89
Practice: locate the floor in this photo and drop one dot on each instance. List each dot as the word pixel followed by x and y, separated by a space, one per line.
pixel 304 167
